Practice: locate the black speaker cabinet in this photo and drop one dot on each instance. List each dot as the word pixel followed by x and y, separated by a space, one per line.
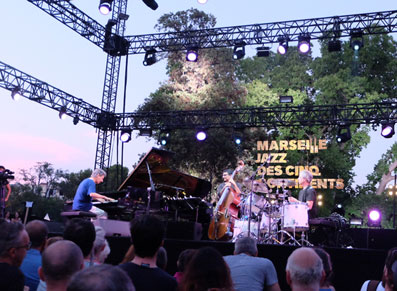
pixel 184 230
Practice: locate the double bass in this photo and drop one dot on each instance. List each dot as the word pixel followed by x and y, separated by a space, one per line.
pixel 224 210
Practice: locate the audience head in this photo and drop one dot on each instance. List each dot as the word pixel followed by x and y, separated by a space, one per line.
pixel 14 242
pixel 206 270
pixel 304 269
pixel 60 261
pixel 52 240
pixel 184 258
pixel 147 234
pixel 81 232
pixel 38 233
pixel 246 245
pixel 101 246
pixel 327 265
pixel 162 258
pixel 389 279
pixel 101 278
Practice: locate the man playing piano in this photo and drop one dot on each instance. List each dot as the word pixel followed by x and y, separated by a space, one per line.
pixel 87 191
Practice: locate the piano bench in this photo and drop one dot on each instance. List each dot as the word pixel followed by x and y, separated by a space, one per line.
pixel 78 213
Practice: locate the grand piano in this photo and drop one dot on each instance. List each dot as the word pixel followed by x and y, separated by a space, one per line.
pixel 153 187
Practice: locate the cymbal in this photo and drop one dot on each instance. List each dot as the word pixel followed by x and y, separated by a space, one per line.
pixel 282 182
pixel 255 186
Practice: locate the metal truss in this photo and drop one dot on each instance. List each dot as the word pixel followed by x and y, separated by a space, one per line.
pixel 47 95
pixel 267 33
pixel 282 116
pixel 68 14
pixel 109 97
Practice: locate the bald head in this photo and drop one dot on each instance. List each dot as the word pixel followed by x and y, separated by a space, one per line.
pixel 61 260
pixel 38 232
pixel 304 268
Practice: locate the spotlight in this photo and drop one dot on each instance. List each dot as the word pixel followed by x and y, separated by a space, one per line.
pixel 344 134
pixel 125 135
pixel 239 50
pixel 192 55
pixel 202 1
pixel 286 99
pixel 334 45
pixel 304 43
pixel 374 218
pixel 282 46
pixel 75 120
pixel 16 93
pixel 105 6
pixel 356 221
pixel 262 51
pixel 145 132
pixel 387 129
pixel 62 112
pixel 238 138
pixel 150 57
pixel 356 40
pixel 151 4
pixel 201 135
pixel 164 138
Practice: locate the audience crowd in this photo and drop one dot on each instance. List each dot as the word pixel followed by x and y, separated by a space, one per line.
pixel 29 260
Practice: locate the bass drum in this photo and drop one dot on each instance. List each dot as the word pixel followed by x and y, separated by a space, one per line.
pixel 241 229
pixel 296 218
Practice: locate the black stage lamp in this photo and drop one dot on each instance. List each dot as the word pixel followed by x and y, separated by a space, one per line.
pixel 239 51
pixel 105 6
pixel 151 4
pixel 150 57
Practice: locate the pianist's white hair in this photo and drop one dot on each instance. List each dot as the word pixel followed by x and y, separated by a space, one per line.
pixel 98 172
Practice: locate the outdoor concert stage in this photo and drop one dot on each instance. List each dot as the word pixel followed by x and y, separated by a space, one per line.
pixel 352 266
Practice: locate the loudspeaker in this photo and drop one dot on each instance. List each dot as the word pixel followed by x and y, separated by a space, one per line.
pixel 184 230
pixel 114 227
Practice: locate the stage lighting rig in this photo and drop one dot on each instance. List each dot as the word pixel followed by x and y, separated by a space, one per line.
pixel 239 50
pixel 344 133
pixel 334 45
pixel 150 57
pixel 356 39
pixel 304 43
pixel 125 135
pixel 387 129
pixel 151 4
pixel 282 45
pixel 263 51
pixel 201 135
pixel 374 218
pixel 192 54
pixel 62 112
pixel 16 93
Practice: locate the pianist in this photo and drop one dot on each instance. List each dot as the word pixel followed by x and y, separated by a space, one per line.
pixel 87 191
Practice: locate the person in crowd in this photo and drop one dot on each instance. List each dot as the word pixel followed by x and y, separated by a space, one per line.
pixel 307 194
pixel 101 278
pixel 389 277
pixel 304 271
pixel 87 191
pixel 248 271
pixel 38 233
pixel 101 246
pixel 183 259
pixel 326 284
pixel 52 240
pixel 207 270
pixel 162 258
pixel 14 243
pixel 16 218
pixel 60 261
pixel 5 192
pixel 82 233
pixel 147 234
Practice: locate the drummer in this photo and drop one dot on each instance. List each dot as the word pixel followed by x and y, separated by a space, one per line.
pixel 307 194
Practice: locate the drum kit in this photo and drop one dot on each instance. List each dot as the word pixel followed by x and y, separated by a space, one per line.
pixel 270 217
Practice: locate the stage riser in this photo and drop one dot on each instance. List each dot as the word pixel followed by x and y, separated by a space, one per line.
pixel 351 266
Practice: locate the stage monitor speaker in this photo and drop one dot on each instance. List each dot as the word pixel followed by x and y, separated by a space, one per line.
pixel 184 230
pixel 114 227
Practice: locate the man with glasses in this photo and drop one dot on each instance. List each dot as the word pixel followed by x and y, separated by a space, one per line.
pixel 14 243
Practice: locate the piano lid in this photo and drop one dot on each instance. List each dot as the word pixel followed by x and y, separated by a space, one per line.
pixel 165 179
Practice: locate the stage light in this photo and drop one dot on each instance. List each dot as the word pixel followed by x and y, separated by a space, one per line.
pixel 151 4
pixel 150 57
pixel 76 120
pixel 282 46
pixel 262 51
pixel 356 221
pixel 201 135
pixel 286 99
pixel 202 1
pixel 238 138
pixel 344 134
pixel 304 43
pixel 356 40
pixel 105 6
pixel 334 45
pixel 16 94
pixel 164 138
pixel 374 218
pixel 239 51
pixel 192 55
pixel 62 112
pixel 387 129
pixel 145 132
pixel 125 135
